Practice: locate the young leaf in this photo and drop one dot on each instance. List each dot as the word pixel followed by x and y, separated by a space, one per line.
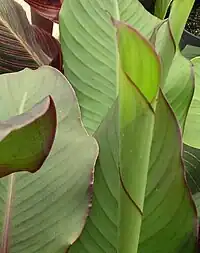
pixel 46 211
pixel 26 139
pixel 129 38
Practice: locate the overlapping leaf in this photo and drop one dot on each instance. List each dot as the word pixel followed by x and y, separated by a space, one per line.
pixel 137 96
pixel 20 43
pixel 34 129
pixel 167 201
pixel 46 211
pixel 46 8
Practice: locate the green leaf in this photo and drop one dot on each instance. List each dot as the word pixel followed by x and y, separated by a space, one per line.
pixel 179 87
pixel 179 14
pixel 165 46
pixel 46 211
pixel 197 201
pixel 144 58
pixel 179 78
pixel 161 7
pixel 89 50
pixel 139 164
pixel 34 129
pixel 190 52
pixel 136 121
pixel 192 164
pixel 191 133
pixel 167 203
pixel 89 47
pixel 21 44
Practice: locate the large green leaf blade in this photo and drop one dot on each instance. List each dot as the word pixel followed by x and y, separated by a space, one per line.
pixel 89 50
pixel 167 202
pixel 46 211
pixel 34 129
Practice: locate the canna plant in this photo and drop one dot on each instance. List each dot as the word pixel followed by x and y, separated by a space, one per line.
pixel 138 97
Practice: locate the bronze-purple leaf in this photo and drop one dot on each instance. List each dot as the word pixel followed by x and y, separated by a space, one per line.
pixel 51 47
pixel 19 47
pixel 46 8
